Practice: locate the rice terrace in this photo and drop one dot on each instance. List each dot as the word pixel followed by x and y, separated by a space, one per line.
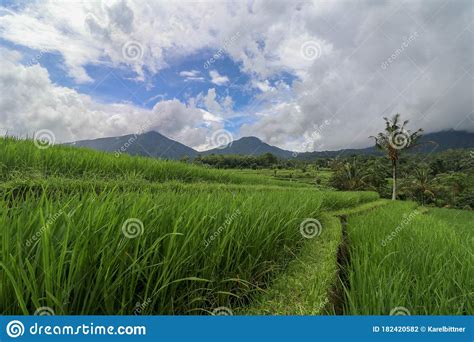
pixel 219 158
pixel 166 237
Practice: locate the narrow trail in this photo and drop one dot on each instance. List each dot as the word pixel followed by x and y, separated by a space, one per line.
pixel 338 298
pixel 343 262
pixel 314 283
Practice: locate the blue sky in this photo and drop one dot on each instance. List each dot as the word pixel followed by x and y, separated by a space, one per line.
pixel 313 75
pixel 115 85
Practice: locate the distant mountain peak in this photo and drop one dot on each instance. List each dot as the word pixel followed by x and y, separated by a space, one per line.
pixel 150 144
pixel 250 139
pixel 152 133
pixel 250 146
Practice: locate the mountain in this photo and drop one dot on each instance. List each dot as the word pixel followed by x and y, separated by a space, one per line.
pixel 151 144
pixel 446 140
pixel 250 146
pixel 429 143
pixel 154 144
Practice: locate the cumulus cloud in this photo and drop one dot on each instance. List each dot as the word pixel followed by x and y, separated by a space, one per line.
pixel 218 79
pixel 409 58
pixel 351 64
pixel 191 75
pixel 31 102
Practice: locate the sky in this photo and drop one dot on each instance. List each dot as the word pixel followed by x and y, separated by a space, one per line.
pixel 300 75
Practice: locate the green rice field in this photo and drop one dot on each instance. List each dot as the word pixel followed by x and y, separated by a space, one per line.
pixel 85 232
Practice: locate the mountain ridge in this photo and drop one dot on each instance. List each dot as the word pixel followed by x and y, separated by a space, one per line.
pixel 250 146
pixel 156 145
pixel 151 144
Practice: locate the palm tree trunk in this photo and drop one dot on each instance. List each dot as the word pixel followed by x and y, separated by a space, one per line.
pixel 394 180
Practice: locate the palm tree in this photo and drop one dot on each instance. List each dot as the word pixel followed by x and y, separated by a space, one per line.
pixel 394 140
pixel 421 184
pixel 349 176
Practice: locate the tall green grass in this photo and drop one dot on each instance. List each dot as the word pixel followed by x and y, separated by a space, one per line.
pixel 199 249
pixel 400 257
pixel 209 238
pixel 21 159
pixel 305 288
pixel 461 220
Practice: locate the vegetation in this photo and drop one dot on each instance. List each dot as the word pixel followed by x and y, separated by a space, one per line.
pixel 309 284
pixel 303 288
pixel 22 160
pixel 68 243
pixel 394 140
pixel 413 259
pixel 257 162
pixel 238 161
pixel 445 179
pixel 85 232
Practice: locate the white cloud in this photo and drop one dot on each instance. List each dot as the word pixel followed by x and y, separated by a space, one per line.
pixel 31 102
pixel 334 49
pixel 218 79
pixel 264 86
pixel 210 101
pixel 190 73
pixel 219 105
